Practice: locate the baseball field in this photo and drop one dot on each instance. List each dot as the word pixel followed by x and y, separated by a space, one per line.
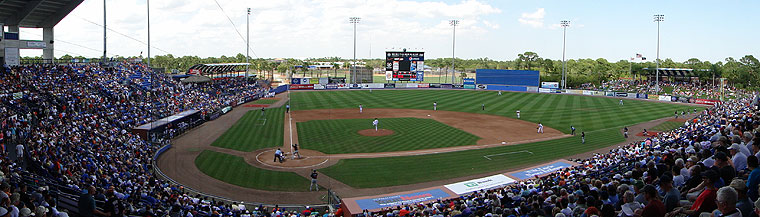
pixel 471 133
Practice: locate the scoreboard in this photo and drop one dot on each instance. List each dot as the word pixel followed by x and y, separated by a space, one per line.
pixel 404 66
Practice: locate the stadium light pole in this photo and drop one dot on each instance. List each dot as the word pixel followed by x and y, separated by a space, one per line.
pixel 247 42
pixel 564 24
pixel 658 18
pixel 148 6
pixel 453 23
pixel 104 31
pixel 354 20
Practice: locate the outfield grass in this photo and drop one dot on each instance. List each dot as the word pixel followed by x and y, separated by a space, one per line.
pixel 392 171
pixel 340 135
pixel 234 170
pixel 666 126
pixel 265 101
pixel 557 111
pixel 252 132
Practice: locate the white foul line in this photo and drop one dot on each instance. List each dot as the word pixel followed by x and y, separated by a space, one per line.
pixel 491 155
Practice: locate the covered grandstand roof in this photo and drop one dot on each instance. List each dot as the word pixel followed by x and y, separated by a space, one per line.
pixel 35 13
pixel 217 68
pixel 675 72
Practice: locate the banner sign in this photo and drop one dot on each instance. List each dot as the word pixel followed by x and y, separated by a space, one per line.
pixel 469 86
pixel 435 85
pixel 36 44
pixel 389 85
pixel 654 97
pixel 411 85
pixel 354 86
pixel 301 86
pixel 531 89
pixel 373 86
pixel 480 184
pixel 423 85
pixel 621 94
pixel 446 86
pixel 398 200
pixel 579 92
pixel 331 86
pixel 314 81
pixel 664 98
pixel 542 170
pixel 586 92
pixel 673 98
pixel 457 86
pixel 482 86
pixel 324 80
pixel 706 101
pixel 554 85
pixel 607 93
pixel 545 90
pixel 18 95
pixel 319 86
pixel 342 86
pixel 683 99
pixel 468 81
pixel 226 109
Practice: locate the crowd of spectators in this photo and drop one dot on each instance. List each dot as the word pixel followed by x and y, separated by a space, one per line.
pixel 685 89
pixel 71 125
pixel 708 166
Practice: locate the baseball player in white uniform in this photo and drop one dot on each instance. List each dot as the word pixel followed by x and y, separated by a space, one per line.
pixel 621 102
pixel 374 123
pixel 435 106
pixel 360 108
pixel 518 114
pixel 540 128
pixel 500 93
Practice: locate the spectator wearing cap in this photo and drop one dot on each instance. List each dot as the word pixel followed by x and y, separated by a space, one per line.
pixel 630 206
pixel 672 196
pixel 737 157
pixel 25 212
pixel 706 200
pixel 4 212
pixel 654 207
pixel 754 178
pixel 743 203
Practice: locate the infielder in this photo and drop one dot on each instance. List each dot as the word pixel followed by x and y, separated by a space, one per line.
pixel 374 123
pixel 483 107
pixel 360 108
pixel 435 106
pixel 625 132
pixel 500 93
pixel 540 128
pixel 572 130
pixel 287 108
pixel 262 111
pixel 583 137
pixel 518 114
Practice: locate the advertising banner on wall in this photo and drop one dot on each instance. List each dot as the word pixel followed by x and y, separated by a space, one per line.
pixel 634 95
pixel 707 101
pixel 538 171
pixel 324 80
pixel 469 86
pixel 665 98
pixel 481 86
pixel 373 86
pixel 587 92
pixel 554 85
pixel 398 200
pixel 480 184
pixel 331 86
pixel 319 86
pixel 531 89
pixel 411 85
pixel 579 92
pixel 423 85
pixel 654 97
pixel 468 81
pixel 354 86
pixel 545 90
pixel 446 86
pixel 618 94
pixel 301 86
pixel 389 85
pixel 435 85
pixel 342 86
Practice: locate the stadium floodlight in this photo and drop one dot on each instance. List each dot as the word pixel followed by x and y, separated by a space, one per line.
pixel 564 24
pixel 658 18
pixel 453 23
pixel 148 6
pixel 354 20
pixel 248 44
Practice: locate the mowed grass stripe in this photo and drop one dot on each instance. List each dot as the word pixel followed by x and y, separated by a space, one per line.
pixel 234 170
pixel 340 135
pixel 248 133
pixel 381 172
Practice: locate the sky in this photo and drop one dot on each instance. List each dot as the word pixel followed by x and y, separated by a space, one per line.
pixel 499 30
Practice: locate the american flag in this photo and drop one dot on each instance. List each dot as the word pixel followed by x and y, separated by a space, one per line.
pixel 638 55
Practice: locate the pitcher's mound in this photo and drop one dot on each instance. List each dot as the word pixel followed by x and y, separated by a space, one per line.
pixel 372 132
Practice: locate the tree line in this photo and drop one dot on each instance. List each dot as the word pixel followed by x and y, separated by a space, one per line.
pixel 741 72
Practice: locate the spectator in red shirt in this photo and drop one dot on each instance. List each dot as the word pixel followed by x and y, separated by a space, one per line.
pixel 706 200
pixel 654 207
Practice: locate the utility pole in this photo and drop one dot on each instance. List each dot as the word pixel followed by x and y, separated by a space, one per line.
pixel 453 23
pixel 104 31
pixel 565 24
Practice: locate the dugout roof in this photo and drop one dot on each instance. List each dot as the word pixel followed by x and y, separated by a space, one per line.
pixel 35 13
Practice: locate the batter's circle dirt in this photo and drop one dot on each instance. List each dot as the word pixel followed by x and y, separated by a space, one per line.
pixel 308 159
pixel 372 132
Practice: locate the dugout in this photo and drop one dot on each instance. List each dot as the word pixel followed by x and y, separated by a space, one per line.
pixel 160 128
pixel 507 80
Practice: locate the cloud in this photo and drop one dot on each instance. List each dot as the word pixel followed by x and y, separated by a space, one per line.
pixel 535 19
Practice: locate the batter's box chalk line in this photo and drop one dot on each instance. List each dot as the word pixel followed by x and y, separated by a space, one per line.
pixel 506 153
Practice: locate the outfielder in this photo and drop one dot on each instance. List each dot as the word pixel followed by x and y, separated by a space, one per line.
pixel 583 137
pixel 435 106
pixel 518 114
pixel 621 102
pixel 374 123
pixel 500 93
pixel 360 108
pixel 540 128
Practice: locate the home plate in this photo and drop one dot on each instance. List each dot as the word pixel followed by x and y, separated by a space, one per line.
pixel 428 115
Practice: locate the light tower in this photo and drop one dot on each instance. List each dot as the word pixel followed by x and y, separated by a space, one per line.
pixel 564 24
pixel 354 20
pixel 453 23
pixel 658 18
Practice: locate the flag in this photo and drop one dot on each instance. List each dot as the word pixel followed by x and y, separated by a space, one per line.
pixel 638 55
pixel 643 58
pixel 632 58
